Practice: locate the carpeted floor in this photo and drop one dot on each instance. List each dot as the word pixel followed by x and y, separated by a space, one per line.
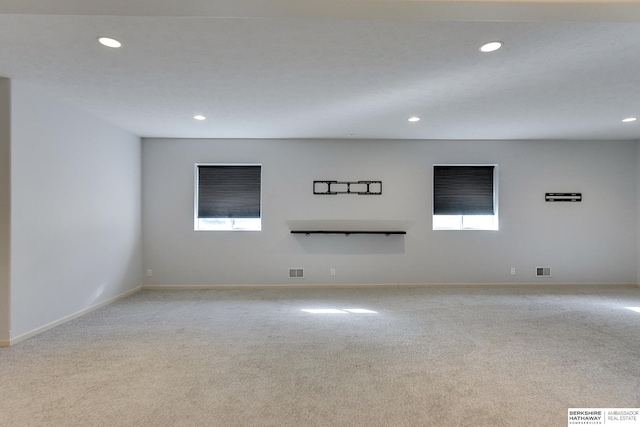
pixel 481 356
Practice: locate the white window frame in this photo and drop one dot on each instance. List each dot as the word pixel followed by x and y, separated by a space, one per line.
pixel 469 222
pixel 224 224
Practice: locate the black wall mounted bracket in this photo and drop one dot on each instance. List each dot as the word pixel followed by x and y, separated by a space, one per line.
pixel 347 187
pixel 563 197
pixel 346 232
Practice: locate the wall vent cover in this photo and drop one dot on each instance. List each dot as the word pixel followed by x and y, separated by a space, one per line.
pixel 296 273
pixel 543 271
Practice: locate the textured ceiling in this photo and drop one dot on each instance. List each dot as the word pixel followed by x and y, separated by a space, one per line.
pixel 287 72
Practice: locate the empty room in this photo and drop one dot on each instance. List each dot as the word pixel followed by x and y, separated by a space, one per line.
pixel 319 213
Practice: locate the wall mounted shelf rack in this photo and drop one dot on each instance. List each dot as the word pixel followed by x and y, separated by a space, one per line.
pixel 346 232
pixel 562 197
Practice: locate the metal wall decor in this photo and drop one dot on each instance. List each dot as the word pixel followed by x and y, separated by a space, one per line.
pixel 347 187
pixel 563 197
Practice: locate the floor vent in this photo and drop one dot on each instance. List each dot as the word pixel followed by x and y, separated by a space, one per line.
pixel 543 271
pixel 296 273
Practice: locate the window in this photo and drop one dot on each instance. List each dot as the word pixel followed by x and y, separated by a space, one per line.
pixel 465 197
pixel 228 197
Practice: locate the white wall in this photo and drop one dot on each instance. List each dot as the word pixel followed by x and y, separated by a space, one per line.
pixel 5 207
pixel 76 235
pixel 589 242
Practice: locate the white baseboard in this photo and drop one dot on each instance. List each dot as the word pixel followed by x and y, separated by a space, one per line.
pixel 380 285
pixel 266 286
pixel 66 319
pixel 542 283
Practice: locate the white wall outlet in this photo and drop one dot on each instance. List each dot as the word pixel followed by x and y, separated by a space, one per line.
pixel 513 271
pixel 149 273
pixel 333 271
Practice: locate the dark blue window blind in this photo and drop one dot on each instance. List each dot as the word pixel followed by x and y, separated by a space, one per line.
pixel 226 191
pixel 463 190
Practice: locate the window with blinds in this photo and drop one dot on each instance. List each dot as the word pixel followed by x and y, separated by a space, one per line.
pixel 228 197
pixel 465 197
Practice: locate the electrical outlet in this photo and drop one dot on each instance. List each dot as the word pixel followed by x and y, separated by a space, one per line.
pixel 513 271
pixel 149 273
pixel 333 271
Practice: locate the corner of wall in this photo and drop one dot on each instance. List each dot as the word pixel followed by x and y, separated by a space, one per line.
pixel 638 213
pixel 5 209
pixel 85 256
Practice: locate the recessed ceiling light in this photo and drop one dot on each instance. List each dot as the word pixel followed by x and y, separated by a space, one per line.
pixel 109 42
pixel 490 47
pixel 200 117
pixel 414 119
pixel 630 119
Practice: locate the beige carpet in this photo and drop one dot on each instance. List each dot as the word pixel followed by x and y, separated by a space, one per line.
pixel 427 357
